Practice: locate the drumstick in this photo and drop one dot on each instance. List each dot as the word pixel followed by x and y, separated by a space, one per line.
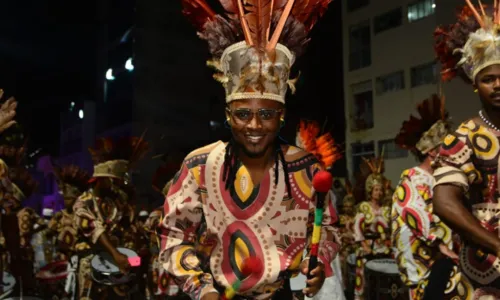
pixel 251 265
pixel 322 183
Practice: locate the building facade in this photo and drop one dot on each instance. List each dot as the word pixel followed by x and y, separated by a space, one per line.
pixel 389 67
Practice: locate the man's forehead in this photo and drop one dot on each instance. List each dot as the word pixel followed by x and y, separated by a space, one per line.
pixel 255 103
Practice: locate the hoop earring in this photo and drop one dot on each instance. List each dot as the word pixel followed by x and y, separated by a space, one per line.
pixel 226 124
pixel 282 123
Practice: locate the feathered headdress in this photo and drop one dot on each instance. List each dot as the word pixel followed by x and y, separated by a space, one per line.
pixel 471 44
pixel 72 180
pixel 23 183
pixel 115 158
pixel 255 46
pixel 323 146
pixel 425 133
pixel 377 167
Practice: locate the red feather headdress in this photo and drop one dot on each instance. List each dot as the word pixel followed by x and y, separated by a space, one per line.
pixel 256 43
pixel 424 133
pixel 115 158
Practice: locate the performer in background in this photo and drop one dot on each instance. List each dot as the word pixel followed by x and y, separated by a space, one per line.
pixel 466 193
pixel 101 210
pixel 72 182
pixel 29 222
pixel 371 224
pixel 251 196
pixel 419 237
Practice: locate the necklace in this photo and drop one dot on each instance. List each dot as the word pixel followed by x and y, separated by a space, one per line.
pixel 485 120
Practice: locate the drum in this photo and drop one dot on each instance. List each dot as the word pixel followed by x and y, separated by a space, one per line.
pixel 105 271
pixel 8 284
pixel 382 281
pixel 53 272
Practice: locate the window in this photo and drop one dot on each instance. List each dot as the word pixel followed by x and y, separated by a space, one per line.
pixel 352 5
pixel 360 46
pixel 390 83
pixel 424 74
pixel 360 150
pixel 391 150
pixel 388 20
pixel 420 9
pixel 362 106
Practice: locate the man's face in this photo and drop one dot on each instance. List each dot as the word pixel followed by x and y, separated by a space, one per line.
pixel 255 123
pixel 488 86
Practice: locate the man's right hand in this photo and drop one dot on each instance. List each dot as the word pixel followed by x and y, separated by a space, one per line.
pixel 122 262
pixel 211 296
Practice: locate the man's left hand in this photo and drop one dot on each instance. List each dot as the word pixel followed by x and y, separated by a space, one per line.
pixel 317 280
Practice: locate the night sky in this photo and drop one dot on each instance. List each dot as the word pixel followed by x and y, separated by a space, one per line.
pixel 48 53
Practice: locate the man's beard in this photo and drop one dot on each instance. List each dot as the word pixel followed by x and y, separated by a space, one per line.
pixel 248 153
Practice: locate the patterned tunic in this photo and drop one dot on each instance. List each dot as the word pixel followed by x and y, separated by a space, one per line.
pixel 416 231
pixel 160 280
pixel 207 232
pixel 469 158
pixel 63 224
pixel 28 218
pixel 369 221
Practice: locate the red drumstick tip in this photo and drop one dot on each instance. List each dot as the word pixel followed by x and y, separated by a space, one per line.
pixel 322 181
pixel 251 265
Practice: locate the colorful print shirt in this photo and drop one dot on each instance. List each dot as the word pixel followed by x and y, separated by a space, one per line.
pixel 94 216
pixel 63 224
pixel 207 232
pixel 469 158
pixel 416 231
pixel 371 221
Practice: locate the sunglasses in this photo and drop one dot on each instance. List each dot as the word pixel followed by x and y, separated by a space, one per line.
pixel 246 114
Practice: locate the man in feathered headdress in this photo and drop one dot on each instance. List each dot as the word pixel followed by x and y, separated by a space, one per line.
pixel 466 192
pixel 103 215
pixel 251 196
pixel 420 238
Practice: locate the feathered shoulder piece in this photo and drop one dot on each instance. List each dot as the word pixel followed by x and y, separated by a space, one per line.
pixel 471 44
pixel 23 180
pixel 114 158
pixel 256 41
pixel 322 146
pixel 73 176
pixel 13 145
pixel 425 133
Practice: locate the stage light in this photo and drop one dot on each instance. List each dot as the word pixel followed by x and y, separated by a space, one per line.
pixel 128 65
pixel 433 5
pixel 80 114
pixel 109 75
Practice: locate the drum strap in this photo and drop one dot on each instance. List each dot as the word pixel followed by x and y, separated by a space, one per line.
pixel 438 278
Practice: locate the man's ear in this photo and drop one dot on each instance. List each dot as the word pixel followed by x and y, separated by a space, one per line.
pixel 228 114
pixel 283 114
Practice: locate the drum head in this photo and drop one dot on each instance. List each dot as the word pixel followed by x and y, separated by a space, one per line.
pixel 105 264
pixel 383 265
